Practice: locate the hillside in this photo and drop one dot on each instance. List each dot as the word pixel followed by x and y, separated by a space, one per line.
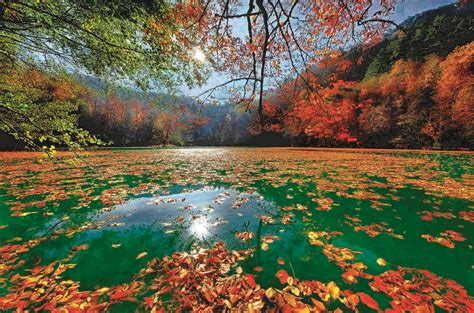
pixel 436 31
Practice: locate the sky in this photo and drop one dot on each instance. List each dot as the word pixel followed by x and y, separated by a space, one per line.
pixel 404 10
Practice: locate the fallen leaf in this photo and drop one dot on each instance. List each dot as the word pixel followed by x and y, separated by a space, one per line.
pixel 142 255
pixel 333 290
pixel 269 293
pixel 283 276
pixel 368 301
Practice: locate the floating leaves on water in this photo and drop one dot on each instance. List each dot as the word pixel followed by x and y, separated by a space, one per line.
pixel 414 289
pixel 313 239
pixel 368 301
pixel 267 219
pixel 20 214
pixel 468 216
pixel 244 236
pixel 215 279
pixel 325 204
pixel 429 215
pixel 446 238
pixel 270 293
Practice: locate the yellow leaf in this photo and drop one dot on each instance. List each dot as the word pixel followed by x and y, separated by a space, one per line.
pixel 291 300
pixel 269 293
pixel 326 297
pixel 381 262
pixel 333 290
pixel 116 245
pixel 316 242
pixel 101 291
pixel 290 280
pixel 295 291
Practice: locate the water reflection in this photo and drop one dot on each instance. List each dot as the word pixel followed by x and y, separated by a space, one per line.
pixel 200 227
pixel 202 213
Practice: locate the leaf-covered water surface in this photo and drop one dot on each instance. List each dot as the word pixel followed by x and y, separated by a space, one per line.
pixel 274 229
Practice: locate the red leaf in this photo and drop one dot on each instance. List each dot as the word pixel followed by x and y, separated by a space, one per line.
pixel 283 276
pixel 251 280
pixel 368 301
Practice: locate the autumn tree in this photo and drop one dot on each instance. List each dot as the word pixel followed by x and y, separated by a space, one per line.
pixel 414 105
pixel 282 39
pixel 169 126
pixel 453 95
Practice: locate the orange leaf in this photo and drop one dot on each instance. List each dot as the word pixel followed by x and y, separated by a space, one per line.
pixel 319 305
pixel 368 301
pixel 283 276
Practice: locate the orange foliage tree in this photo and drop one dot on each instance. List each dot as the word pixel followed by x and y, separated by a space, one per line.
pixel 454 94
pixel 282 38
pixel 413 105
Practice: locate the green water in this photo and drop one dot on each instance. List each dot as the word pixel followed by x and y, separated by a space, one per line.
pixel 206 183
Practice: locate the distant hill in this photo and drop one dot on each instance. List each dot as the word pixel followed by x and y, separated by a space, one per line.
pixel 435 31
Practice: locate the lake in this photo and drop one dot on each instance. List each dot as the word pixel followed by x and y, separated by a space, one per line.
pixel 244 228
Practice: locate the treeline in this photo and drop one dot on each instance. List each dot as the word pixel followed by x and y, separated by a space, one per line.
pixel 68 112
pixel 163 120
pixel 413 105
pixel 412 90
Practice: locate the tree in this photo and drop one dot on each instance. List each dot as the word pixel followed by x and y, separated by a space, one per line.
pixel 126 41
pixel 169 126
pixel 40 110
pixel 284 39
pixel 453 96
pixel 113 39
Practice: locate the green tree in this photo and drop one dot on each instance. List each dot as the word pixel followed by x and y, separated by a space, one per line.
pixel 40 111
pixel 131 42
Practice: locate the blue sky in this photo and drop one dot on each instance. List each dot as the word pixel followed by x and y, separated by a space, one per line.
pixel 404 9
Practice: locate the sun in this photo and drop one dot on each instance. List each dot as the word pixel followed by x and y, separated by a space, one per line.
pixel 199 55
